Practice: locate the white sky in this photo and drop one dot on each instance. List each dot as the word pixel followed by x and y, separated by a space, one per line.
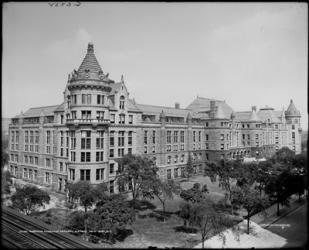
pixel 247 54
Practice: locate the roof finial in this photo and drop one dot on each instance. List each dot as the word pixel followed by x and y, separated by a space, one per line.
pixel 122 79
pixel 90 48
pixel 291 101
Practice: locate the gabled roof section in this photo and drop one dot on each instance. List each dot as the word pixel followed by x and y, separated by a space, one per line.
pixel 242 115
pixel 268 113
pixel 201 104
pixel 38 111
pixel 132 106
pixel 169 111
pixel 60 108
pixel 90 62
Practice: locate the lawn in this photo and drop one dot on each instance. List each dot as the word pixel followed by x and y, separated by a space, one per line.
pixel 148 231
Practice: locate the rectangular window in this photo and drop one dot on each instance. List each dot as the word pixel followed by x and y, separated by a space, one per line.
pixel 199 136
pixel 120 152
pixel 130 138
pixel 193 136
pixel 47 179
pixel 74 99
pixel 112 118
pixel 85 157
pixel 60 166
pixel 100 115
pixel 222 147
pixel 222 137
pixel 84 99
pixel 153 136
pixel 72 174
pixel 121 139
pixel 100 140
pixel 73 156
pixel 48 137
pixel 121 119
pixel 145 137
pixel 130 119
pixel 175 172
pixel 99 156
pixel 111 187
pixel 175 136
pixel 182 147
pixel 85 174
pixel 85 139
pixel 73 140
pixel 111 153
pixel 206 137
pixel 111 139
pixel 111 168
pixel 100 174
pixel 129 151
pixel 26 137
pixel 182 136
pixel 145 150
pixel 169 137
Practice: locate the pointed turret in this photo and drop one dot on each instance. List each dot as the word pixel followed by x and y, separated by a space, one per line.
pixel 254 117
pixel 162 116
pixel 292 111
pixel 233 115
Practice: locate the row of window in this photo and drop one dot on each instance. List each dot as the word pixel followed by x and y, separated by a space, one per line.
pixel 85 174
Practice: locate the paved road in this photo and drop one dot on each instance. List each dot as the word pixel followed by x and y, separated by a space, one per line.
pixel 295 229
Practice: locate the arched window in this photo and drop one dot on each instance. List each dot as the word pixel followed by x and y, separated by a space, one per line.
pixel 121 102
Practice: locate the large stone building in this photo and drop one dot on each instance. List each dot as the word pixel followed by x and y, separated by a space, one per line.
pixel 98 122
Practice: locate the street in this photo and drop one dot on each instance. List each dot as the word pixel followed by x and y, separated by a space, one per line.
pixel 292 227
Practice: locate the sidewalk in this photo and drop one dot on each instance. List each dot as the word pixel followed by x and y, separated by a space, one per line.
pixel 271 212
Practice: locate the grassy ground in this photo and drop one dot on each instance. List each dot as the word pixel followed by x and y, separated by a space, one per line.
pixel 149 231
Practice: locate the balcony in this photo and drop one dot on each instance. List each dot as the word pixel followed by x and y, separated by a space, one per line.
pixel 87 122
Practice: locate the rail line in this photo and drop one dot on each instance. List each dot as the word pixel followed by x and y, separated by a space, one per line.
pixel 26 232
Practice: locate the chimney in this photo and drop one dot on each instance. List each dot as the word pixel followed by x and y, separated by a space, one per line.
pixel 253 108
pixel 177 105
pixel 212 106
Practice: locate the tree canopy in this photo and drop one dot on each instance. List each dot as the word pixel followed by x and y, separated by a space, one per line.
pixel 195 194
pixel 28 198
pixel 137 173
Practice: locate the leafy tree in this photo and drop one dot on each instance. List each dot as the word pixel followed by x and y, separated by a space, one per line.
pixel 195 194
pixel 5 158
pixel 208 220
pixel 279 189
pixel 138 172
pixel 227 172
pixel 164 190
pixel 189 169
pixel 284 156
pixel 86 193
pixel 29 198
pixel 261 175
pixel 185 212
pixel 112 215
pixel 250 200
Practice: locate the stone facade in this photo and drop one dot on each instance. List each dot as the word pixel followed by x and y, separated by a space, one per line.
pixel 98 122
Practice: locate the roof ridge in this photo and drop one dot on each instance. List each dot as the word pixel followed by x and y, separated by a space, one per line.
pixel 46 106
pixel 162 106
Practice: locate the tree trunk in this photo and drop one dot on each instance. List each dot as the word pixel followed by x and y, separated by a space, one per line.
pixel 248 224
pixel 278 213
pixel 163 203
pixel 203 239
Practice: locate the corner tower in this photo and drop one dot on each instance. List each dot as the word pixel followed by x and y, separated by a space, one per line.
pixel 292 116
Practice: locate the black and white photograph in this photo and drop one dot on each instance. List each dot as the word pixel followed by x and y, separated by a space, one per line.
pixel 154 125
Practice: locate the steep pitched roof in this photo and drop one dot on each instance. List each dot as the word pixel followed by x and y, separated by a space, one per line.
pixel 268 113
pixel 60 108
pixel 132 106
pixel 38 111
pixel 242 115
pixel 201 104
pixel 156 110
pixel 90 62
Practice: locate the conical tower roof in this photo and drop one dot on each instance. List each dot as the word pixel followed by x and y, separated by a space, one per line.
pixel 292 111
pixel 254 117
pixel 90 62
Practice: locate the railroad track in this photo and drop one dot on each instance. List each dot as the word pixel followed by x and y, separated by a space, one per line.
pixel 25 232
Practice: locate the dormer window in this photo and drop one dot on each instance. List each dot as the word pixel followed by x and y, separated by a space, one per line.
pixel 121 102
